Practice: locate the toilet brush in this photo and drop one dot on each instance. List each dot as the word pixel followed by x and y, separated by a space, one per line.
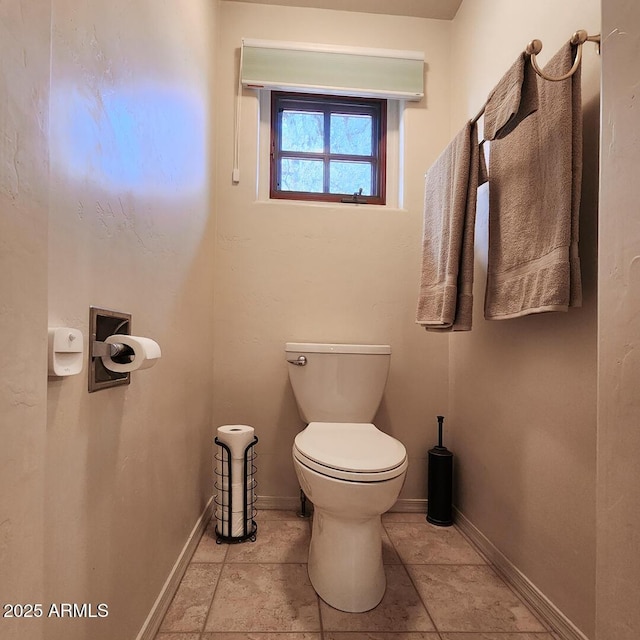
pixel 440 483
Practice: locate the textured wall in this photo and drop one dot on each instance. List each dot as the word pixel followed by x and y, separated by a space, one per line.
pixel 523 391
pixel 24 94
pixel 105 166
pixel 296 272
pixel 618 568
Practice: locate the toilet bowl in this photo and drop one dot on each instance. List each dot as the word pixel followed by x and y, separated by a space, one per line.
pixel 350 470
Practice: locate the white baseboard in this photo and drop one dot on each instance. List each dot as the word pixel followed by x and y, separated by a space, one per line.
pixel 545 609
pixel 279 503
pixel 407 505
pixel 411 505
pixel 160 606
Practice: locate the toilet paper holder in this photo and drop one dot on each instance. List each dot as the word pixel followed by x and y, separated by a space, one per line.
pixel 225 506
pixel 102 324
pixel 111 349
pixel 114 353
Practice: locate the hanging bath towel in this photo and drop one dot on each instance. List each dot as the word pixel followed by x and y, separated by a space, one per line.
pixel 446 280
pixel 535 176
pixel 512 100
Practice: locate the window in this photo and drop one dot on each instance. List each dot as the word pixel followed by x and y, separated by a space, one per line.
pixel 328 148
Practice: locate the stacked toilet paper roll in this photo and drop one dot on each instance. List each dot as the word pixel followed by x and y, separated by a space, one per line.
pixel 230 481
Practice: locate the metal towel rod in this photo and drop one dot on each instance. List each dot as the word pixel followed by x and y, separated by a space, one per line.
pixel 578 38
pixel 535 47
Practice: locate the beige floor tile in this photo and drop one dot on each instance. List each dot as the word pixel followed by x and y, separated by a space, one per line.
pixel 259 635
pixel 277 514
pixel 424 543
pixel 178 636
pixel 189 607
pixel 398 516
pixel 400 609
pixel 208 549
pixel 471 598
pixel 389 555
pixel 376 635
pixel 276 541
pixel 264 597
pixel 496 636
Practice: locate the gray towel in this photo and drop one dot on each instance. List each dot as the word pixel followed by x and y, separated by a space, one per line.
pixel 513 99
pixel 446 282
pixel 534 196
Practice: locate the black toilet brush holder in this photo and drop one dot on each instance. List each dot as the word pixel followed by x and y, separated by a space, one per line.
pixel 440 483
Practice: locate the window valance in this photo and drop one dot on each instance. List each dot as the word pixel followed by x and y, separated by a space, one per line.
pixel 340 70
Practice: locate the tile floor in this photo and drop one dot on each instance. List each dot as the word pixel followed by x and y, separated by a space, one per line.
pixel 438 588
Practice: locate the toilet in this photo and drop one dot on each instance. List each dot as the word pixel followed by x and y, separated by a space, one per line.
pixel 350 470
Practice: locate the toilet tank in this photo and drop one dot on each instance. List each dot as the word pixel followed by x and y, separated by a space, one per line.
pixel 339 382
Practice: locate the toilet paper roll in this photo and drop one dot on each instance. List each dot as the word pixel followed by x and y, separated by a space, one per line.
pixel 146 353
pixel 236 520
pixel 237 437
pixel 222 483
pixel 235 470
pixel 230 498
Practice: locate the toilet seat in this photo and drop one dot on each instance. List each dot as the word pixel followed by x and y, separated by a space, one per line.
pixel 357 452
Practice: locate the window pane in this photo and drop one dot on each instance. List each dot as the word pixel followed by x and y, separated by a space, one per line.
pixel 324 148
pixel 351 134
pixel 301 175
pixel 349 177
pixel 302 131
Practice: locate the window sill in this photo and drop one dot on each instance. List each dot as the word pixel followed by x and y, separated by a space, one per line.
pixel 339 206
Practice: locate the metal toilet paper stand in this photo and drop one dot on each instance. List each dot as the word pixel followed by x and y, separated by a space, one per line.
pixel 226 500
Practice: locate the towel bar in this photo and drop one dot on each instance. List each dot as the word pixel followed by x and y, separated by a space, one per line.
pixel 535 46
pixel 578 38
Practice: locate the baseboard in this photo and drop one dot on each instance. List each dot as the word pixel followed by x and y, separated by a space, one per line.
pixel 160 606
pixel 284 503
pixel 545 609
pixel 410 505
pixel 280 503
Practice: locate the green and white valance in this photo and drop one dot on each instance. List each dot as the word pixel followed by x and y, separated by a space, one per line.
pixel 339 70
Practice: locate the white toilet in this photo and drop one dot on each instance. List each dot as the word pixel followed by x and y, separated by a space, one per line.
pixel 350 470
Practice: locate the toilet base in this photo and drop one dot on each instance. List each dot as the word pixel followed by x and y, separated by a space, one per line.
pixel 345 554
pixel 345 561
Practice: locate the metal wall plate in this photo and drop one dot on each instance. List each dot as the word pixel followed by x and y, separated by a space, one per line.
pixel 102 324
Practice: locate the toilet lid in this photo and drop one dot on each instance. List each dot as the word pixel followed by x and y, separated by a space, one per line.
pixel 359 447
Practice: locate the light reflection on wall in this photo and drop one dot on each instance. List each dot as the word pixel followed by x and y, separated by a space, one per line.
pixel 149 140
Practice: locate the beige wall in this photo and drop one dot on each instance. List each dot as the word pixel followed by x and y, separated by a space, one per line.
pixel 24 95
pixel 618 517
pixel 523 391
pixel 295 272
pixel 100 491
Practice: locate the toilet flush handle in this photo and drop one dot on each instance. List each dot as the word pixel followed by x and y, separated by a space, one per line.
pixel 300 361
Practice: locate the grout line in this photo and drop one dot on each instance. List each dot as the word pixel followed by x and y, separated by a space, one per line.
pixel 213 595
pixel 473 545
pixel 487 563
pixel 424 604
pixel 457 564
pixel 319 610
pixel 436 633
pixel 404 566
pixel 392 544
pixel 506 583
